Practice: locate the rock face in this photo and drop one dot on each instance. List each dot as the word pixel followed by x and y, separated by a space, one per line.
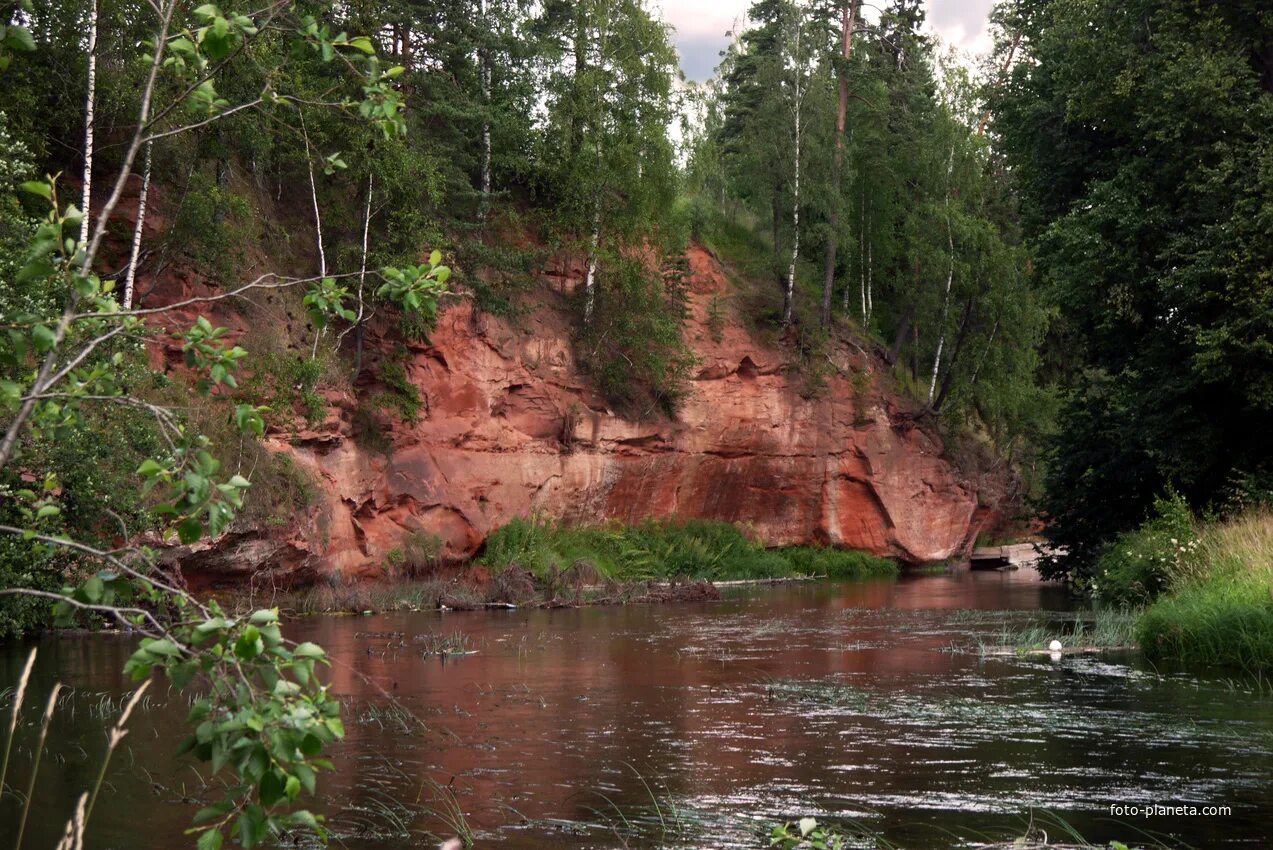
pixel 510 428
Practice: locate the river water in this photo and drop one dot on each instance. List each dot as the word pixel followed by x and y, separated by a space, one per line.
pixel 698 725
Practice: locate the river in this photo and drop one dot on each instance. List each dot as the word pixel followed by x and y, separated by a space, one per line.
pixel 697 725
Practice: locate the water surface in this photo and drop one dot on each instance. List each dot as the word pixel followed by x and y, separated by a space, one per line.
pixel 696 725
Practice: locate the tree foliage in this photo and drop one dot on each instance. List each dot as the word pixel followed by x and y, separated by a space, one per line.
pixel 1138 138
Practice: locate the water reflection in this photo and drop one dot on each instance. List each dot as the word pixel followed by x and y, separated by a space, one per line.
pixel 834 700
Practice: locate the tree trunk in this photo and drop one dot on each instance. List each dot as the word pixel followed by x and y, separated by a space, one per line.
pixel 870 300
pixel 899 339
pixel 950 277
pixel 89 98
pixel 590 281
pixel 948 382
pixel 1003 75
pixel 362 278
pixel 133 256
pixel 485 60
pixel 982 359
pixel 848 21
pixel 789 292
pixel 318 223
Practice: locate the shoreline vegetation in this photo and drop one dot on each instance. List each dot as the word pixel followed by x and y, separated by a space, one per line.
pixel 546 563
pixel 1179 588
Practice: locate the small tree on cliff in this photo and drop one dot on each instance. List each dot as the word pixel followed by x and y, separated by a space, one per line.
pixel 261 713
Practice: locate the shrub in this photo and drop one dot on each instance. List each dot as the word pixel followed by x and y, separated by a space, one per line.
pixel 1140 565
pixel 633 348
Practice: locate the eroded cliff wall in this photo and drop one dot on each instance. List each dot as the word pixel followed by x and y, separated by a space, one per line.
pixel 511 427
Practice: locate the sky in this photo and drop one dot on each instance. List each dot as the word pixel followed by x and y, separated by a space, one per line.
pixel 701 27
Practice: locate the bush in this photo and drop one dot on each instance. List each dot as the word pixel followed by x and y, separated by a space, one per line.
pixel 1142 564
pixel 633 347
pixel 1223 612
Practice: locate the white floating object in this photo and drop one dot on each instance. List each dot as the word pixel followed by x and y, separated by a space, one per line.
pixel 1055 646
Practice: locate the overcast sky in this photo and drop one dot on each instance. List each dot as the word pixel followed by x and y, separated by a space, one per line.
pixel 701 27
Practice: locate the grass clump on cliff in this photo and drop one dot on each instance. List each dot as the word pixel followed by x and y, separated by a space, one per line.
pixel 655 549
pixel 1221 611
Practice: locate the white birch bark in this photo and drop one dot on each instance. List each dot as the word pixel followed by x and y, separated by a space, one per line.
pixel 89 98
pixel 950 276
pixel 485 73
pixel 133 256
pixel 318 224
pixel 594 241
pixel 862 258
pixel 789 295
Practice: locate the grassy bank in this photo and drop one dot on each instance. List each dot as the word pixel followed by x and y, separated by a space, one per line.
pixel 660 550
pixel 1218 607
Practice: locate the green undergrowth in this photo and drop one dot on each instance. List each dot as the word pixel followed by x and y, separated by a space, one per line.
pixel 1221 610
pixel 655 549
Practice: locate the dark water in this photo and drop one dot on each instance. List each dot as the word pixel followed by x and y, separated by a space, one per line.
pixel 695 725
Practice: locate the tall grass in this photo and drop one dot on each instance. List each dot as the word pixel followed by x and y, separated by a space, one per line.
pixel 1222 613
pixel 654 549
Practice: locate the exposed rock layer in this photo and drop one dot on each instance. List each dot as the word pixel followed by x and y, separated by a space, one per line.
pixel 510 427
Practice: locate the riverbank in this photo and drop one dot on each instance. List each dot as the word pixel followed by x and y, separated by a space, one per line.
pixel 543 563
pixel 1218 608
pixel 1198 591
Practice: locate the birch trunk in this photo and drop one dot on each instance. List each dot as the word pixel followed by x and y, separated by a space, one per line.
pixel 950 276
pixel 485 59
pixel 362 279
pixel 131 276
pixel 789 293
pixel 590 280
pixel 318 224
pixel 89 98
pixel 982 359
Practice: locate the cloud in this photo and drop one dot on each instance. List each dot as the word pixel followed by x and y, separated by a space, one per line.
pixel 700 27
pixel 700 55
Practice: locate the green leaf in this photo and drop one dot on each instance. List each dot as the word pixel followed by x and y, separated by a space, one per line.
pixel 249 644
pixel 47 511
pixel 44 338
pixel 38 187
pixel 252 826
pixel 210 840
pixel 189 530
pixel 309 650
pixel 93 588
pixel 149 468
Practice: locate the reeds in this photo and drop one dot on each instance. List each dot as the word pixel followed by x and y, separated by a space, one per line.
pixel 73 835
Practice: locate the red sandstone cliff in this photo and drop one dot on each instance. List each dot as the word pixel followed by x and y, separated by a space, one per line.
pixel 511 427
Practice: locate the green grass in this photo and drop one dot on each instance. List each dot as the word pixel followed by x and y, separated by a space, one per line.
pixel 1222 613
pixel 653 549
